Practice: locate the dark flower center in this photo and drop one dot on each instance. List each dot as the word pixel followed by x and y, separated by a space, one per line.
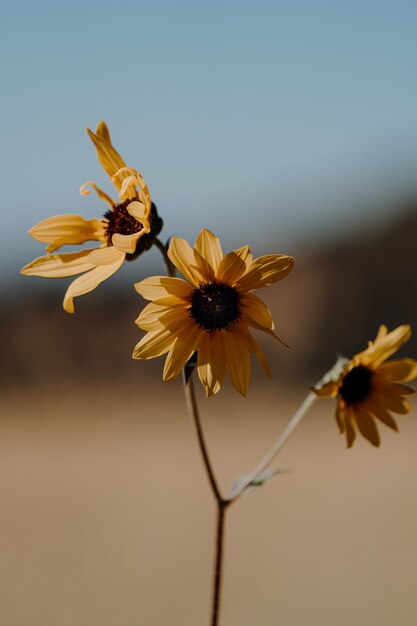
pixel 214 306
pixel 356 385
pixel 120 221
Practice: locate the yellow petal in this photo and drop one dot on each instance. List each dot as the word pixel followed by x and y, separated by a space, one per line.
pixel 208 246
pixel 84 191
pixel 384 345
pixel 350 431
pixel 126 243
pixel 211 361
pixel 156 287
pixel 237 361
pixel 392 402
pixel 154 344
pixel 265 270
pixel 366 425
pixel 103 131
pixel 385 417
pixel 256 311
pixel 399 370
pixel 67 229
pixel 181 350
pixel 106 256
pixel 138 210
pixel 59 265
pixel 253 347
pixel 155 316
pixel 340 418
pixel 110 159
pixel 89 281
pixel 234 265
pixel 182 256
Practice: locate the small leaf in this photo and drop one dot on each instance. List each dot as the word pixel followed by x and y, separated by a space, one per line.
pixel 258 481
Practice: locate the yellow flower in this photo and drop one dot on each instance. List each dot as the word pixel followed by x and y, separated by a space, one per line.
pixel 126 230
pixel 210 311
pixel 368 388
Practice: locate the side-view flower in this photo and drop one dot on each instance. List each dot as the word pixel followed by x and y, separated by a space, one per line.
pixel 209 312
pixel 127 229
pixel 369 389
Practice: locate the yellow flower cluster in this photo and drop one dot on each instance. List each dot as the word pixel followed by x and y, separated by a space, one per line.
pixel 212 309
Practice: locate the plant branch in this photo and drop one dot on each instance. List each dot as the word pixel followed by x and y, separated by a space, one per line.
pixel 171 271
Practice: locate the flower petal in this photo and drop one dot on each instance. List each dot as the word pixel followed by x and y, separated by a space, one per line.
pixel 208 247
pixel 182 255
pixel 67 229
pixel 211 361
pixel 155 316
pixel 181 350
pixel 366 425
pixel 385 417
pixel 234 265
pixel 237 361
pixel 399 370
pixel 350 431
pixel 328 390
pixel 156 287
pixel 384 346
pixel 84 191
pixel 89 281
pixel 106 255
pixel 126 243
pixel 154 344
pixel 109 158
pixel 256 312
pixel 265 270
pixel 392 402
pixel 59 265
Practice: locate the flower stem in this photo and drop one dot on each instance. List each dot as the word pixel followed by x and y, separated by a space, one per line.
pixel 279 443
pixel 218 566
pixel 163 250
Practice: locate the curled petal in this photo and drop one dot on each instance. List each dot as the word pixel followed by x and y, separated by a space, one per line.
pixel 84 191
pixel 126 243
pixel 89 281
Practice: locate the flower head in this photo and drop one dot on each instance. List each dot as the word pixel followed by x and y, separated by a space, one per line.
pixel 209 312
pixel 126 229
pixel 368 389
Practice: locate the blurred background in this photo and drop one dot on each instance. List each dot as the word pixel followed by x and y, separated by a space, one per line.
pixel 289 126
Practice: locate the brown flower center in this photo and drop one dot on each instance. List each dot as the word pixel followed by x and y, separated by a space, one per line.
pixel 120 221
pixel 356 385
pixel 214 306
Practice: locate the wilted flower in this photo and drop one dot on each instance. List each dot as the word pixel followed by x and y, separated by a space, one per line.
pixel 209 312
pixel 367 388
pixel 126 230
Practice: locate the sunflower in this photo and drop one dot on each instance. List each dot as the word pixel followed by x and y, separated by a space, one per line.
pixel 209 312
pixel 368 389
pixel 127 229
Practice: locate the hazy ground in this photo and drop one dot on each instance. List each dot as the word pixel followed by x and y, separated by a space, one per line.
pixel 107 519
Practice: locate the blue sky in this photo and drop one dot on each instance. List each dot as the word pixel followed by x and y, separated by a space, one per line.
pixel 267 121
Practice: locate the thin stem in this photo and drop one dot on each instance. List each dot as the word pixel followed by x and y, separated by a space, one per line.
pixel 171 271
pixel 218 567
pixel 192 407
pixel 279 443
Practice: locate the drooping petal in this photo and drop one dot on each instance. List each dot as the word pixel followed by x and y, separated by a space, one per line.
pixel 105 256
pixel 366 425
pixel 234 265
pixel 402 370
pixel 384 416
pixel 350 431
pixel 266 270
pixel 181 350
pixel 253 347
pixel 237 361
pixel 392 402
pixel 211 361
pixel 59 265
pixel 256 311
pixel 67 229
pixel 156 287
pixel 340 418
pixel 182 256
pixel 208 247
pixel 89 281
